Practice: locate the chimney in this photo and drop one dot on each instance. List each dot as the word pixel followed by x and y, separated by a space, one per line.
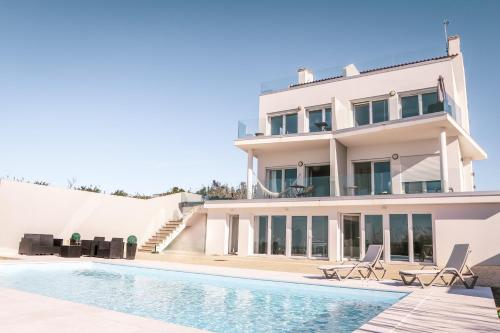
pixel 305 75
pixel 453 45
pixel 350 70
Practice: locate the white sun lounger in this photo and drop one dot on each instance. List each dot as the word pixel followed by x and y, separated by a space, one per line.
pixel 368 264
pixel 454 267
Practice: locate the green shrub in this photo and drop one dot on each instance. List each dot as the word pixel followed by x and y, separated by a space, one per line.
pixel 75 236
pixel 91 188
pixel 132 239
pixel 120 193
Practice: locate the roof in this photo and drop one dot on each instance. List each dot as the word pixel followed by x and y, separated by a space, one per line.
pixel 377 69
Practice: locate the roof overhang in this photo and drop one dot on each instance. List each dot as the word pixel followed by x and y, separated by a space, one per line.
pixel 285 142
pixel 411 129
pixel 364 201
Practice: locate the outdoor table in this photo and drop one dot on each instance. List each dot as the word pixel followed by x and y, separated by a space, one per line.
pixel 71 251
pixel 299 190
pixel 322 125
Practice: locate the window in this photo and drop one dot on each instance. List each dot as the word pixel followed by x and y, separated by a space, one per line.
pixel 284 124
pixel 372 178
pixel 380 111
pixel 419 104
pixel 399 236
pixel 431 104
pixel 371 112
pixel 319 236
pixel 362 114
pixel 278 234
pixel 279 180
pixel 260 235
pixel 432 186
pixel 374 234
pixel 320 120
pixel 299 235
pixel 421 173
pixel 422 237
pixel 318 179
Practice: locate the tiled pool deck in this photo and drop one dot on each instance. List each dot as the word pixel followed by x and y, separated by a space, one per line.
pixel 437 309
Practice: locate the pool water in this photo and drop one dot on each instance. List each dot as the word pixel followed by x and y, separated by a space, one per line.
pixel 214 303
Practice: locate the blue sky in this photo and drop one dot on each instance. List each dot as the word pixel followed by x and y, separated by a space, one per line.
pixel 145 95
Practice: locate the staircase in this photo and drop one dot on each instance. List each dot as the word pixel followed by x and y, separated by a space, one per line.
pixel 168 232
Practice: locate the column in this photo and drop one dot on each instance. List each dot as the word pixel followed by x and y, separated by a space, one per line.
pixel 333 237
pixel 443 160
pixel 334 170
pixel 387 237
pixel 250 174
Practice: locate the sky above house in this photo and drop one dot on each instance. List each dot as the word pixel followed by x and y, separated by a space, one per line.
pixel 146 95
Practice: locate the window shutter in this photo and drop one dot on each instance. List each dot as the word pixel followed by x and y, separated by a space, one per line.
pixel 420 168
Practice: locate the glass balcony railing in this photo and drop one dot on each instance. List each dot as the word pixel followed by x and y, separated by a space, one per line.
pixel 251 128
pixel 318 186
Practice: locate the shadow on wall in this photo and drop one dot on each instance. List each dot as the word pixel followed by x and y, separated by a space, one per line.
pixel 481 211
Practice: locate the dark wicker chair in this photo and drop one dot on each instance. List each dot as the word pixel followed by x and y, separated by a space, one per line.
pixel 94 246
pixel 86 247
pixel 111 250
pixel 117 248
pixel 39 244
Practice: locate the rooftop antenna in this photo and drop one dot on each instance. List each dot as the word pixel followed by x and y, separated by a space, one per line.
pixel 445 24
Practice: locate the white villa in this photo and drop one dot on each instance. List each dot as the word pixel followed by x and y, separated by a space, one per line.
pixel 382 156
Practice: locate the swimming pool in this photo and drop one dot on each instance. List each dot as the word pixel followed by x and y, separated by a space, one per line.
pixel 214 303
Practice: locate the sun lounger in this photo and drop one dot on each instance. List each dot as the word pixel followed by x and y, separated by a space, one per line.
pixel 454 267
pixel 368 265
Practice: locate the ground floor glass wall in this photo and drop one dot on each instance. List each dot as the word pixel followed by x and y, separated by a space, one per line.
pixel 308 236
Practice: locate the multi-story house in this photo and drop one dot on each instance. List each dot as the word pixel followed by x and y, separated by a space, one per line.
pixel 381 156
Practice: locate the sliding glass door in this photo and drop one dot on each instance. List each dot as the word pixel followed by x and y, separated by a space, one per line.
pixel 278 234
pixel 372 178
pixel 374 233
pixel 299 235
pixel 399 237
pixel 350 230
pixel 422 238
pixel 260 235
pixel 319 236
pixel 318 178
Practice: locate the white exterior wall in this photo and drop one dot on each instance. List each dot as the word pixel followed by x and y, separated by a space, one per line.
pixel 379 84
pixel 290 159
pixel 28 208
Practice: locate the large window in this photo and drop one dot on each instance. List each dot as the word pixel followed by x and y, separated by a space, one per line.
pixel 319 236
pixel 371 112
pixel 419 104
pixel 299 235
pixel 284 124
pixel 320 120
pixel 318 180
pixel 260 235
pixel 432 186
pixel 374 233
pixel 399 237
pixel 421 173
pixel 422 237
pixel 278 234
pixel 279 180
pixel 372 178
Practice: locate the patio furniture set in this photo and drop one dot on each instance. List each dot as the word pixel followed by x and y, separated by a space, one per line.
pixel 42 244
